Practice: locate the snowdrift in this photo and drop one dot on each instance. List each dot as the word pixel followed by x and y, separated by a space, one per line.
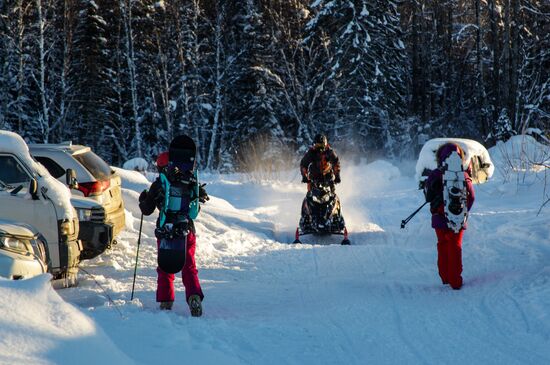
pixel 38 327
pixel 521 154
pixel 136 164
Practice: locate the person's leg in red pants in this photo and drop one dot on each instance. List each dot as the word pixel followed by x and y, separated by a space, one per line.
pixel 189 273
pixel 165 286
pixel 449 256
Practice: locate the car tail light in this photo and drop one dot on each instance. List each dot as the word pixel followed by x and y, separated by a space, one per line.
pixel 94 188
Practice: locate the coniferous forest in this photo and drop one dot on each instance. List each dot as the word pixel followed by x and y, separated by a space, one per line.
pixel 257 79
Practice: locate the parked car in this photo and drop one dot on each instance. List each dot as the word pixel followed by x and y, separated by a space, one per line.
pixel 94 177
pixel 95 233
pixel 23 251
pixel 29 194
pixel 476 159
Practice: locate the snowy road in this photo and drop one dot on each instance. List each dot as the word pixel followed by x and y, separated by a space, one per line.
pixel 378 301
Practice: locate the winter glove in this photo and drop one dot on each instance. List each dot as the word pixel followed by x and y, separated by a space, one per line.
pixel 143 196
pixel 337 179
pixel 159 198
pixel 305 180
pixel 203 196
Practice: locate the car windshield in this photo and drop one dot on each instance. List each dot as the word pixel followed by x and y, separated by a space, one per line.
pixel 95 164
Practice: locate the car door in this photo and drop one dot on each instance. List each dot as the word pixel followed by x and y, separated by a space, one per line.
pixel 19 207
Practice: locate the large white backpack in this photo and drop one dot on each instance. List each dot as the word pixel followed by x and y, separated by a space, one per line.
pixel 455 192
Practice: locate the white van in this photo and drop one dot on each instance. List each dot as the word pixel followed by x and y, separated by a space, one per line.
pixel 29 194
pixel 23 251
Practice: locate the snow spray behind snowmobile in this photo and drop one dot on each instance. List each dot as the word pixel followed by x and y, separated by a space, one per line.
pixel 322 212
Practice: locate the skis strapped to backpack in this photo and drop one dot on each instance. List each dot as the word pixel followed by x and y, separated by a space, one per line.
pixel 454 192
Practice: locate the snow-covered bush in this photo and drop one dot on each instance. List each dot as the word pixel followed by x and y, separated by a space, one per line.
pixel 526 161
pixel 520 155
pixel 136 164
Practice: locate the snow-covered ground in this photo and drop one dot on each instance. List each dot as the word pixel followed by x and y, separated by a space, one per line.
pixel 378 301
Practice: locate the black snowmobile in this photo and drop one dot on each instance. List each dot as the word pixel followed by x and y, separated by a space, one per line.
pixel 322 213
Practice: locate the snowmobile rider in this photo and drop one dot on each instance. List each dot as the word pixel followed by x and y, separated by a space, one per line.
pixel 449 243
pixel 165 295
pixel 320 163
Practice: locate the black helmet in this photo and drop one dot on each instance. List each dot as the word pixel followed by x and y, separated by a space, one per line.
pixel 320 140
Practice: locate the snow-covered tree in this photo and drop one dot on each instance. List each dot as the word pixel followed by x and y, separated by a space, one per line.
pixel 363 80
pixel 91 72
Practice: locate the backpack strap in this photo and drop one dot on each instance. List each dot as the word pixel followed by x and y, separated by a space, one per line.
pixel 166 186
pixel 194 203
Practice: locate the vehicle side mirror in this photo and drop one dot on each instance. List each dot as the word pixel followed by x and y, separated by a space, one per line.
pixel 33 189
pixel 70 177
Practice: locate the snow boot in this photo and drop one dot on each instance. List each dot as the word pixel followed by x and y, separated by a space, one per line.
pixel 195 305
pixel 166 305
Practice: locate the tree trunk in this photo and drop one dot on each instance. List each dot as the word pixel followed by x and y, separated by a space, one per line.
pixel 496 54
pixel 506 97
pixel 44 114
pixel 213 151
pixel 480 77
pixel 514 62
pixel 126 9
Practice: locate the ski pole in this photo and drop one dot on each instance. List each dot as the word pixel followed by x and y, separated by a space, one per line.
pixel 137 256
pixel 406 220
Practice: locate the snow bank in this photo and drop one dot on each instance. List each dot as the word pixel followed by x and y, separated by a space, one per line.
pixel 38 327
pixel 428 160
pixel 521 153
pixel 132 180
pixel 60 195
pixel 136 164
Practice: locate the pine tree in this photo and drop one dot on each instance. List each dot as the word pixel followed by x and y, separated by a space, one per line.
pixel 16 91
pixel 91 77
pixel 255 100
pixel 362 82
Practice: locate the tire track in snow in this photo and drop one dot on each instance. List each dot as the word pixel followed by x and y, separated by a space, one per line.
pixel 511 289
pixel 334 320
pixel 502 339
pixel 390 287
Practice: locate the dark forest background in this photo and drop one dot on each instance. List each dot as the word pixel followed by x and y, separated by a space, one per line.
pixel 255 80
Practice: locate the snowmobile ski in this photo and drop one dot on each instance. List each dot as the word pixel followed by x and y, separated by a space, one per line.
pixel 344 233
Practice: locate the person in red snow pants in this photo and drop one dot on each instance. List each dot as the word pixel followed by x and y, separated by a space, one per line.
pixel 189 275
pixel 449 243
pixel 154 198
pixel 449 256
